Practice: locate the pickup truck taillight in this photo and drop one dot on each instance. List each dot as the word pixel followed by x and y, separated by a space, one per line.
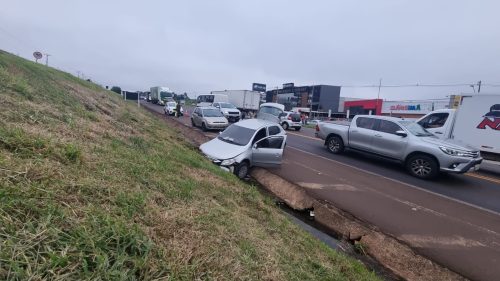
pixel 289 117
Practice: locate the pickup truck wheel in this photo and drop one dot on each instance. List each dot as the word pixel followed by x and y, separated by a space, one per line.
pixel 241 170
pixel 203 127
pixel 335 145
pixel 285 126
pixel 422 166
pixel 192 123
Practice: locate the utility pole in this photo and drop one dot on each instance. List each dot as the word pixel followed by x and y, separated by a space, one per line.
pixel 479 86
pixel 47 59
pixel 379 86
pixel 78 74
pixel 378 95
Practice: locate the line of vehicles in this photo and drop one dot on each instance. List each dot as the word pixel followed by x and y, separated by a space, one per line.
pixel 432 145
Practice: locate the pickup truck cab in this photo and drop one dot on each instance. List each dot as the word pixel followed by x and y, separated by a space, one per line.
pixel 423 154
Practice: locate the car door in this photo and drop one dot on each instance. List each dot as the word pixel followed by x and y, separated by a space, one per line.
pixel 361 133
pixel 436 123
pixel 387 143
pixel 196 117
pixel 268 152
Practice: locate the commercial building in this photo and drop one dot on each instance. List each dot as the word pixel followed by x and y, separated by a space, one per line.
pixel 319 99
pixel 357 107
pixel 405 108
pixel 413 108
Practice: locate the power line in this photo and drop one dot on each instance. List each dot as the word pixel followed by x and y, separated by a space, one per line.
pixel 421 85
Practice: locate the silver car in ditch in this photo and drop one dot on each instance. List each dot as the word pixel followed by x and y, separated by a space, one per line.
pixel 208 118
pixel 251 142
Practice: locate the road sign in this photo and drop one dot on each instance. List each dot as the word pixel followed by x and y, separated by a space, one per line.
pixel 37 55
pixel 258 87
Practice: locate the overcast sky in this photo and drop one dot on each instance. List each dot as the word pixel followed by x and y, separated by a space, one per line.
pixel 200 46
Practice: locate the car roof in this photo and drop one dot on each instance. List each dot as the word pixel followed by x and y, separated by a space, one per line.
pixel 273 104
pixel 381 117
pixel 207 107
pixel 255 124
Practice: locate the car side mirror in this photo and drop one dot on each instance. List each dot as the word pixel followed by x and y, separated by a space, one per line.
pixel 401 134
pixel 254 146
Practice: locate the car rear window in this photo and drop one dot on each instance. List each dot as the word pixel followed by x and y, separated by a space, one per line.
pixel 366 123
pixel 295 117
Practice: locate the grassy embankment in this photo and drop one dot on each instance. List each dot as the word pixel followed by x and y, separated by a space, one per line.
pixel 91 187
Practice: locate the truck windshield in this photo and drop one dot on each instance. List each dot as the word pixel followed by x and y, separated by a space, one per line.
pixel 165 95
pixel 212 113
pixel 226 105
pixel 416 129
pixel 237 135
pixel 271 110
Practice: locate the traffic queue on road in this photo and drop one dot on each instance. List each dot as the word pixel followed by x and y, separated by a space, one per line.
pixel 425 147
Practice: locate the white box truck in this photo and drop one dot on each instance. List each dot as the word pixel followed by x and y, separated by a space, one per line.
pixel 475 122
pixel 160 95
pixel 246 101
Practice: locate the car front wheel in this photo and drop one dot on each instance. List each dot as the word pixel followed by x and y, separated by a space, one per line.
pixel 422 166
pixel 284 125
pixel 241 170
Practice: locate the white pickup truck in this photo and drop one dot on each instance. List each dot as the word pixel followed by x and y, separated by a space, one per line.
pixel 476 122
pixel 423 154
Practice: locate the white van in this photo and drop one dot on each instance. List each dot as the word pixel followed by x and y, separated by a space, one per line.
pixel 271 111
pixel 208 100
pixel 475 122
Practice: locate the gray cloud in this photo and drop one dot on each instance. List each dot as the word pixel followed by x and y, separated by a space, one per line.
pixel 199 46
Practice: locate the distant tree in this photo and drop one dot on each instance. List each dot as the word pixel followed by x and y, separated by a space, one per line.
pixel 186 96
pixel 116 89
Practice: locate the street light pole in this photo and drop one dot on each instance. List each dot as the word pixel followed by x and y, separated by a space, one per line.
pixel 47 59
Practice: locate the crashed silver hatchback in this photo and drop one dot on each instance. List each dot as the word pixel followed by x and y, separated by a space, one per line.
pixel 251 142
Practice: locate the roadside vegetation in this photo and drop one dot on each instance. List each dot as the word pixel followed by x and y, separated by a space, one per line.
pixel 91 187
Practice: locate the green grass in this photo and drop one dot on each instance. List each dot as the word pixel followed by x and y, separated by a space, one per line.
pixel 93 188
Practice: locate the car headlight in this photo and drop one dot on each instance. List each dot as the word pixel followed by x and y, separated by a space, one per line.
pixel 228 162
pixel 455 152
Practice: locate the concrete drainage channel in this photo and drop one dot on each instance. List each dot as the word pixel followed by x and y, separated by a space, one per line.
pixel 389 257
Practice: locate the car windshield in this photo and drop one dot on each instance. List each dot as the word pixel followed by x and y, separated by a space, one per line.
pixel 226 105
pixel 212 113
pixel 416 129
pixel 237 135
pixel 171 104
